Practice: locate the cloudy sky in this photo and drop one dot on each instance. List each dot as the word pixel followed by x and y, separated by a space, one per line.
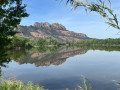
pixel 53 11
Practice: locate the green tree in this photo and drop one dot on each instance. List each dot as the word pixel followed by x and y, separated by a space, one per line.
pixel 11 13
pixel 102 7
pixel 18 42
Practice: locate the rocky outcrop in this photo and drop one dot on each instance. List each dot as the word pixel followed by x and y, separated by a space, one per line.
pixel 45 30
pixel 58 26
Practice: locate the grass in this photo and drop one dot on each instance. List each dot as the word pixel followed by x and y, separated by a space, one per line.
pixel 18 85
pixel 85 85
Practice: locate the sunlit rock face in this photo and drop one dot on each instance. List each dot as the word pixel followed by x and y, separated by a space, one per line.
pixel 46 30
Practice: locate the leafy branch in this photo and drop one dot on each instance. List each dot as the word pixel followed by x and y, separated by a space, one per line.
pixel 101 7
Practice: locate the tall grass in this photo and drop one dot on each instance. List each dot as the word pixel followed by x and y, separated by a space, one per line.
pixel 18 85
pixel 86 84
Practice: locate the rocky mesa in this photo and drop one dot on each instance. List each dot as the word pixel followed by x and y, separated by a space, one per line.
pixel 52 31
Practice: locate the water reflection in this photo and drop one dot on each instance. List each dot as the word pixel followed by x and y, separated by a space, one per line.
pixel 63 70
pixel 4 59
pixel 46 57
pixel 96 47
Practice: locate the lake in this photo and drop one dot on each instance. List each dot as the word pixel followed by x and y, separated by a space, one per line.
pixel 60 68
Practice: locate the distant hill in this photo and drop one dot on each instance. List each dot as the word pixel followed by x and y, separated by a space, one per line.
pixel 52 31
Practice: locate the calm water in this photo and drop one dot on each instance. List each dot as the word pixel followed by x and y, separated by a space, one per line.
pixel 61 68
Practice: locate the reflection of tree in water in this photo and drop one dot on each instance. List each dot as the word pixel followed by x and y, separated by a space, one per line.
pixel 45 56
pixel 18 54
pixel 4 59
pixel 98 47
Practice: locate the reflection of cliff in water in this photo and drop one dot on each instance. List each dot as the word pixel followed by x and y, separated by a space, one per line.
pixel 45 56
pixel 48 58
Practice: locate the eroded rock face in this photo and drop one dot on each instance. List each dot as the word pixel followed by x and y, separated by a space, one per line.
pixel 45 30
pixel 58 26
pixel 70 33
pixel 42 25
pixel 39 34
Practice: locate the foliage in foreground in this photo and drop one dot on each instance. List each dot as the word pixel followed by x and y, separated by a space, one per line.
pixel 18 85
pixel 102 7
pixel 85 85
pixel 11 14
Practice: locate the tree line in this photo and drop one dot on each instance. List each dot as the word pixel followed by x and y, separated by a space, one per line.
pixel 38 42
pixel 101 42
pixel 25 42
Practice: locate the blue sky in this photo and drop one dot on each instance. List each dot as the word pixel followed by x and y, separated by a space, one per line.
pixel 53 11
